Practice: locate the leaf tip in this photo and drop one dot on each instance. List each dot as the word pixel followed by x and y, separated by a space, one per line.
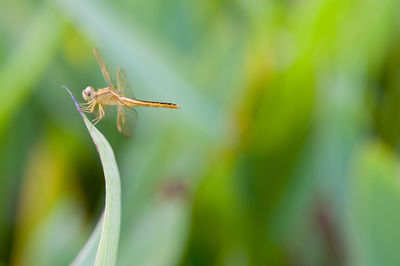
pixel 73 98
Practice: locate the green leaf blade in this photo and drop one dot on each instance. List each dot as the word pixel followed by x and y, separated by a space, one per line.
pixel 108 244
pixel 23 68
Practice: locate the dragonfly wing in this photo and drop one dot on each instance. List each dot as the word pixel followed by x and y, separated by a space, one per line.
pixel 124 87
pixel 127 121
pixel 107 74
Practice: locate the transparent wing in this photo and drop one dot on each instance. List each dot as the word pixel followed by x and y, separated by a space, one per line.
pixel 127 121
pixel 107 74
pixel 124 87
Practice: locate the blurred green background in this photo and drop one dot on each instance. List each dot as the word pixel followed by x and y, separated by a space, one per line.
pixel 285 150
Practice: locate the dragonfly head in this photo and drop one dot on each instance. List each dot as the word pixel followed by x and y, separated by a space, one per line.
pixel 88 93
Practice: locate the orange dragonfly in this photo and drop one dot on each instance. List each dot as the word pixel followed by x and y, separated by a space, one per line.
pixel 119 94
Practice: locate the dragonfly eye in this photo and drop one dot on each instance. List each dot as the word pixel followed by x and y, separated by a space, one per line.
pixel 88 93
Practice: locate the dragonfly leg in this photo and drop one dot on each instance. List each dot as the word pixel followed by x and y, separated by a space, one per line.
pixel 91 107
pixel 88 107
pixel 100 116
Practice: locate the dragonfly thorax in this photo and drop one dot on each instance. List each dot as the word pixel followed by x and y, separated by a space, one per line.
pixel 88 93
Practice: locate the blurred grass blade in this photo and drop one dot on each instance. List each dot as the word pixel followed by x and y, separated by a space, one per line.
pixel 87 255
pixel 161 230
pixel 373 213
pixel 108 245
pixel 26 63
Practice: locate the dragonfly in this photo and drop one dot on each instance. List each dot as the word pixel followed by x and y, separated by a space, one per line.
pixel 116 94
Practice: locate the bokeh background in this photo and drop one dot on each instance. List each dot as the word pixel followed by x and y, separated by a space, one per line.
pixel 285 150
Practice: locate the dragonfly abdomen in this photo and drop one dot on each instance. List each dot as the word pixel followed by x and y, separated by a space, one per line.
pixel 134 102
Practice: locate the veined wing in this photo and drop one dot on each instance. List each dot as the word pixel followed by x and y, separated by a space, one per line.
pixel 107 74
pixel 127 116
pixel 127 121
pixel 123 85
pixel 125 89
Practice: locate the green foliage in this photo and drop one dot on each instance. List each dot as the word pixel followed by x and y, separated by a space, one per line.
pixel 372 216
pixel 25 66
pixel 285 150
pixel 111 220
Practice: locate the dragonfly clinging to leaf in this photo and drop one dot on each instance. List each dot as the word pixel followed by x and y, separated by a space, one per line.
pixel 118 94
